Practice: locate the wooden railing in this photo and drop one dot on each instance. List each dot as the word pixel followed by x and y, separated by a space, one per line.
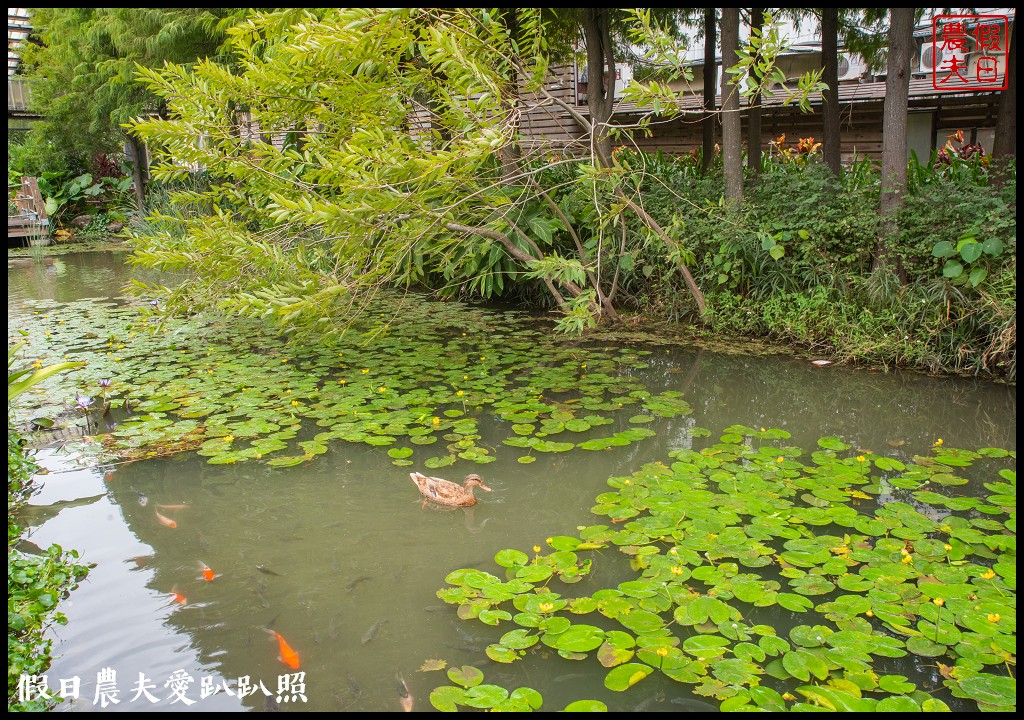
pixel 26 216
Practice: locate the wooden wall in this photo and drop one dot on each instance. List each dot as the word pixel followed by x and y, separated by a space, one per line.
pixel 551 126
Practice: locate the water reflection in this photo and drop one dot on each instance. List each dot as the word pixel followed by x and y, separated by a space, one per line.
pixel 342 559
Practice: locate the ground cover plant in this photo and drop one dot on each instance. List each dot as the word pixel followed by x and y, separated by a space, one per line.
pixel 35 582
pixel 884 565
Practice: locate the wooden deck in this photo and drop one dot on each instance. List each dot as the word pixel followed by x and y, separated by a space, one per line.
pixel 30 220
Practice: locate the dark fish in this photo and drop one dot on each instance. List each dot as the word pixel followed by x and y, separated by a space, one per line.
pixel 270 704
pixel 372 632
pixel 643 705
pixel 693 705
pixel 404 696
pixel 354 583
pixel 267 571
pixel 571 676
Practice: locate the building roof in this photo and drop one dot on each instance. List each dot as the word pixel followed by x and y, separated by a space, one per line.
pixel 920 90
pixel 19 27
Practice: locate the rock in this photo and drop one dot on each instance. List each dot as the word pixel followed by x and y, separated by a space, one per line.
pixel 82 221
pixel 115 227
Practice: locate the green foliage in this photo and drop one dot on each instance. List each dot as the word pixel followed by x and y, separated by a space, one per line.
pixel 33 154
pixel 879 567
pixel 82 69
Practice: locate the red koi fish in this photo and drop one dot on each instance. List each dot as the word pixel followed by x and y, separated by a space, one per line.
pixel 178 597
pixel 165 520
pixel 207 573
pixel 288 656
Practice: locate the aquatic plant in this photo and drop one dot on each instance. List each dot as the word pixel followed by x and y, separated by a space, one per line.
pixel 418 388
pixel 875 559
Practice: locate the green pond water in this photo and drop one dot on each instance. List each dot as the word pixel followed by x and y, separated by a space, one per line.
pixel 295 486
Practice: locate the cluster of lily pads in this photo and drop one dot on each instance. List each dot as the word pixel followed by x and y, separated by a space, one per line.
pixel 875 560
pixel 235 391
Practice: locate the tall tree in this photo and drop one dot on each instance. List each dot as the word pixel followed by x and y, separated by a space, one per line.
pixel 597 35
pixel 894 128
pixel 754 116
pixel 830 76
pixel 83 66
pixel 710 118
pixel 732 136
pixel 1005 146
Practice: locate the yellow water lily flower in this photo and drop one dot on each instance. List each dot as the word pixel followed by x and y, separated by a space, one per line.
pixel 861 458
pixel 663 651
pixel 676 570
pixel 989 574
pixel 993 617
pixel 365 370
pixel 937 443
pixel 939 601
pixel 547 607
pixel 460 393
pixel 229 438
pixel 536 548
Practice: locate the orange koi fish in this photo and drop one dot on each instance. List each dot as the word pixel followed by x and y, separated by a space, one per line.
pixel 208 574
pixel 288 656
pixel 177 597
pixel 165 520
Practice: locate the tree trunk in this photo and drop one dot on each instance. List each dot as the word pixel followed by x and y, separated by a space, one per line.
pixel 600 80
pixel 754 120
pixel 138 171
pixel 511 154
pixel 1005 146
pixel 710 90
pixel 830 76
pixel 732 136
pixel 894 128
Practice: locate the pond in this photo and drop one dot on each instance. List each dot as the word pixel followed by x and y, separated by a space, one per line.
pixel 331 546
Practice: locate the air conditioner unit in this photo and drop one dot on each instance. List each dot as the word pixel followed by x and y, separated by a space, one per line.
pixel 851 67
pixel 933 58
pixel 623 76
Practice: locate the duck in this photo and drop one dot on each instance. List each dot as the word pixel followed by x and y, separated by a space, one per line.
pixel 446 492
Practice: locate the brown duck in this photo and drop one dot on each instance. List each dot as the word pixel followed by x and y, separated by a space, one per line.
pixel 445 492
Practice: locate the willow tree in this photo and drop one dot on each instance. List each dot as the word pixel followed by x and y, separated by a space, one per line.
pixel 349 150
pixel 397 180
